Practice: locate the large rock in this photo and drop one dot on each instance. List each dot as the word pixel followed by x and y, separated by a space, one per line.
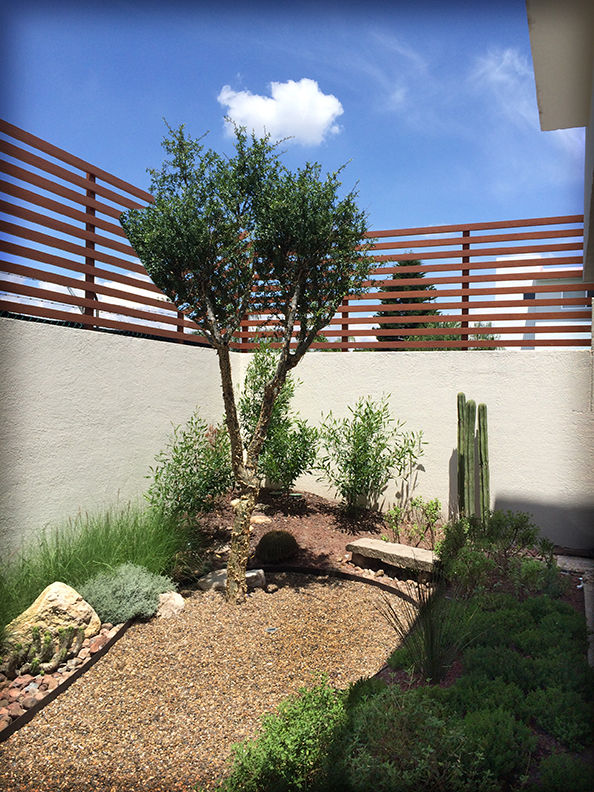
pixel 170 604
pixel 57 606
pixel 217 580
pixel 392 553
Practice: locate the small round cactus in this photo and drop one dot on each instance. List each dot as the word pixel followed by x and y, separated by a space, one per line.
pixel 276 546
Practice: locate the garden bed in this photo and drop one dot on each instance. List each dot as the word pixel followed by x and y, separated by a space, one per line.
pixel 162 708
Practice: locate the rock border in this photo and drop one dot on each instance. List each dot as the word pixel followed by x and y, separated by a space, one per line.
pixel 21 720
pixel 63 685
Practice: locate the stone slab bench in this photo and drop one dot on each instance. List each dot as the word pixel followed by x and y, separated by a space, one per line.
pixel 392 553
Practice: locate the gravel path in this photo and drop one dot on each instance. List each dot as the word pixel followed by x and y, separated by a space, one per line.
pixel 161 710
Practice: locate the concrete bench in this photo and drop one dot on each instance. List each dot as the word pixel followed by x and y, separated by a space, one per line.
pixel 392 553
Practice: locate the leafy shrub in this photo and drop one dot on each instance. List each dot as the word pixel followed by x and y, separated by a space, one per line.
pixel 291 444
pixel 361 452
pixel 194 469
pixel 562 713
pixel 125 592
pixel 276 546
pixel 402 741
pixel 472 692
pixel 532 576
pixel 289 752
pixel 504 742
pixel 470 569
pixel 501 662
pixel 561 771
pixel 414 522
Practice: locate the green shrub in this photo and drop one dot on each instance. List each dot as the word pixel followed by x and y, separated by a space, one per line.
pixel 473 692
pixel 532 576
pixel 502 662
pixel 75 551
pixel 291 444
pixel 360 453
pixel 289 752
pixel 562 713
pixel 470 569
pixel 504 742
pixel 125 592
pixel 194 469
pixel 276 546
pixel 563 772
pixel 414 522
pixel 401 742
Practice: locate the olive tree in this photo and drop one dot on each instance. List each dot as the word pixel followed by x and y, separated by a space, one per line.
pixel 238 235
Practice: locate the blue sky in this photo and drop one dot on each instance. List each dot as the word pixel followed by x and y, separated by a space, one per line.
pixel 433 103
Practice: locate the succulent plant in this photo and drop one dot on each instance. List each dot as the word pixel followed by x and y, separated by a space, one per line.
pixel 276 546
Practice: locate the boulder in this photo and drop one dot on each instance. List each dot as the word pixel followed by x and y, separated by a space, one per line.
pixel 56 607
pixel 217 580
pixel 170 604
pixel 392 553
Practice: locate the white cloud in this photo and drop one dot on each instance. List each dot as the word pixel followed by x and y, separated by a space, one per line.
pixel 506 77
pixel 294 109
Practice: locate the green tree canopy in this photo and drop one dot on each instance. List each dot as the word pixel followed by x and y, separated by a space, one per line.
pixel 238 235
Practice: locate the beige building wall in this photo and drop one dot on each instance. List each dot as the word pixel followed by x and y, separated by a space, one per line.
pixel 84 413
pixel 541 432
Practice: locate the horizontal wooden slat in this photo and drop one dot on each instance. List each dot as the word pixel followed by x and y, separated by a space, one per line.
pixel 58 189
pixel 470 240
pixel 67 175
pixel 492 277
pixel 62 244
pixel 444 229
pixel 38 143
pixel 8 188
pixel 429 269
pixel 458 317
pixel 104 307
pixel 65 228
pixel 97 321
pixel 77 283
pixel 88 269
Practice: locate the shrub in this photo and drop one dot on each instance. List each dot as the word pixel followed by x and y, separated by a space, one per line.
pixel 360 453
pixel 562 713
pixel 470 569
pixel 289 752
pixel 561 771
pixel 504 742
pixel 415 522
pixel 125 592
pixel 403 742
pixel 291 444
pixel 276 546
pixel 472 692
pixel 502 662
pixel 194 469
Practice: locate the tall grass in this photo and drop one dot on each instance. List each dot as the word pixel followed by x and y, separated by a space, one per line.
pixel 73 552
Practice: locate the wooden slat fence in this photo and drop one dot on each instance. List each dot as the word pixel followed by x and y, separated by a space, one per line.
pixel 64 257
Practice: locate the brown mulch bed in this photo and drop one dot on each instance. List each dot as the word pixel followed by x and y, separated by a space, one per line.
pixel 161 710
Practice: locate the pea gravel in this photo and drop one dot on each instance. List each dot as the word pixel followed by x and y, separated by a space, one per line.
pixel 162 708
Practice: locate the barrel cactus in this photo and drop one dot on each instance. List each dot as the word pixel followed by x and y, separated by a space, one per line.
pixel 276 546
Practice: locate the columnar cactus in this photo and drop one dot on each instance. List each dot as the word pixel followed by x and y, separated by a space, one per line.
pixel 467 438
pixel 483 460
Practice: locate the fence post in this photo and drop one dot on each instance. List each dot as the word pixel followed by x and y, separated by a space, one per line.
pixel 344 335
pixel 464 324
pixel 90 246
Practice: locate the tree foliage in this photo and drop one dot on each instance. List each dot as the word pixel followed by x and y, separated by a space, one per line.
pixel 231 236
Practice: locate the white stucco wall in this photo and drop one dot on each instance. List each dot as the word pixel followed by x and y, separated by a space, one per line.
pixel 541 432
pixel 83 415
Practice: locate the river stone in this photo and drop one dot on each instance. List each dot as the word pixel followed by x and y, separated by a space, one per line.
pixel 57 606
pixel 217 580
pixel 170 604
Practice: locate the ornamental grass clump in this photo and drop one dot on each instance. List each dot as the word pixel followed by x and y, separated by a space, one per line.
pixel 125 592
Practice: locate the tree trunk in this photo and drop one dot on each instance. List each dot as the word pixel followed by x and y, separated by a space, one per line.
pixel 240 541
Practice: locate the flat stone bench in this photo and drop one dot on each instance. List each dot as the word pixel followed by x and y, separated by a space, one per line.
pixel 392 553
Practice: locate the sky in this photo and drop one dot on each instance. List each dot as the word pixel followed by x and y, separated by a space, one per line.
pixel 432 104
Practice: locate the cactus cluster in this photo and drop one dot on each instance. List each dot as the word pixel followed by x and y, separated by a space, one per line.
pixel 44 653
pixel 468 460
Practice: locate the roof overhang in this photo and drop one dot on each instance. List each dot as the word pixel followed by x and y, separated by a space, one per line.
pixel 562 44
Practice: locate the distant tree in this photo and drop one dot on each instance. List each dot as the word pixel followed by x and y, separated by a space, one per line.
pixel 222 228
pixel 401 287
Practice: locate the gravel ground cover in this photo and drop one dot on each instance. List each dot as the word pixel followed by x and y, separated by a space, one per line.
pixel 162 708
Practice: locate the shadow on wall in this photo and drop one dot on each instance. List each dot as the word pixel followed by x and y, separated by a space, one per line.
pixel 571 527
